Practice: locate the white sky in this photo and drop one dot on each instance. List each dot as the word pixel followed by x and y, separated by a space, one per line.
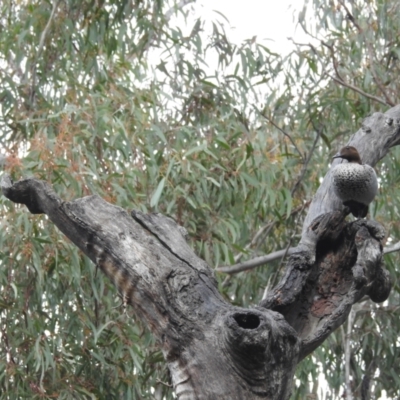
pixel 269 20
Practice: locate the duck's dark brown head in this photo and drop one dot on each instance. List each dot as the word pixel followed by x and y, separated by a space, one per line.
pixel 350 154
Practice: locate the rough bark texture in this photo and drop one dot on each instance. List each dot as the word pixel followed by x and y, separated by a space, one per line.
pixel 215 350
pixel 378 133
pixel 334 266
pixel 336 263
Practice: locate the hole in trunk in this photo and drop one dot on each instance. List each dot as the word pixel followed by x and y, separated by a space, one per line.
pixel 247 321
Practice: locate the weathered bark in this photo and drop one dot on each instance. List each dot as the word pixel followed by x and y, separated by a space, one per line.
pixel 336 263
pixel 378 133
pixel 334 266
pixel 213 349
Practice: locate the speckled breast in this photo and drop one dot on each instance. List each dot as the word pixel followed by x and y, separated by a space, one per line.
pixel 355 182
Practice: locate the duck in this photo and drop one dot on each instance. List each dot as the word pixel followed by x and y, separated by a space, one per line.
pixel 354 183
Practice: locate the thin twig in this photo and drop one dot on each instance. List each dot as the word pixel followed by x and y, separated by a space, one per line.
pixel 350 16
pixel 376 77
pixel 339 78
pixel 254 240
pixel 164 383
pixel 284 132
pixel 177 7
pixel 288 249
pixel 305 165
pixel 370 53
pixel 257 261
pixel 264 231
pixel 40 50
pixel 334 60
pixel 356 89
pixel 392 248
pixel 347 354
pixel 377 80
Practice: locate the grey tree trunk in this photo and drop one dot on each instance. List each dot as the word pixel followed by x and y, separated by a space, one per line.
pixel 213 349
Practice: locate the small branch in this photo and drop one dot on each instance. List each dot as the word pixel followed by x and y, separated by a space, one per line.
pixel 334 61
pixel 350 16
pixel 366 381
pixel 267 228
pixel 255 262
pixel 255 239
pixel 370 53
pixel 376 78
pixel 391 249
pixel 341 81
pixel 263 232
pixel 305 165
pixel 284 132
pixel 40 50
pixel 356 89
pixel 347 354
pixel 177 7
pixel 168 385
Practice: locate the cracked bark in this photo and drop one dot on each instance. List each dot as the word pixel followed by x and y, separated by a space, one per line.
pixel 213 349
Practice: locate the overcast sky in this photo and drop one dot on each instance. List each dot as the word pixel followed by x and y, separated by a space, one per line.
pixel 270 20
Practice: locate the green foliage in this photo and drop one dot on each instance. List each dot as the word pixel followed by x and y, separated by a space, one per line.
pixel 124 100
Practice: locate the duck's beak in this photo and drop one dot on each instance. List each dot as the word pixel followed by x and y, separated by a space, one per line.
pixel 337 155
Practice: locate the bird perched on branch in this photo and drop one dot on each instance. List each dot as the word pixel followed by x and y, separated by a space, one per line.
pixel 353 182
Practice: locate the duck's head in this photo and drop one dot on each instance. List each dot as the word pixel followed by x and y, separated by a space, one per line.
pixel 350 154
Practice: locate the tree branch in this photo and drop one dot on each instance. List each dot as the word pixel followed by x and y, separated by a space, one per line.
pixel 210 346
pixel 259 237
pixel 347 354
pixel 378 133
pixel 284 133
pixel 370 53
pixel 306 162
pixel 392 248
pixel 255 262
pixel 40 50
pixel 358 90
pixel 262 260
pixel 350 16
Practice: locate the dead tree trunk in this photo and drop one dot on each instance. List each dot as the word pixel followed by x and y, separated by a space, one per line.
pixel 213 349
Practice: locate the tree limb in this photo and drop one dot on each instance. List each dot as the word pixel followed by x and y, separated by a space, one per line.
pixel 347 354
pixel 358 90
pixel 392 248
pixel 210 346
pixel 40 50
pixel 370 53
pixel 284 133
pixel 306 162
pixel 255 262
pixel 275 255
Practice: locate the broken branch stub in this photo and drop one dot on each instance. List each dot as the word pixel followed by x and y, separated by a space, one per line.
pixel 334 266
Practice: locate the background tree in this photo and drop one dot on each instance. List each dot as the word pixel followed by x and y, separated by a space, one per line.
pixel 234 155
